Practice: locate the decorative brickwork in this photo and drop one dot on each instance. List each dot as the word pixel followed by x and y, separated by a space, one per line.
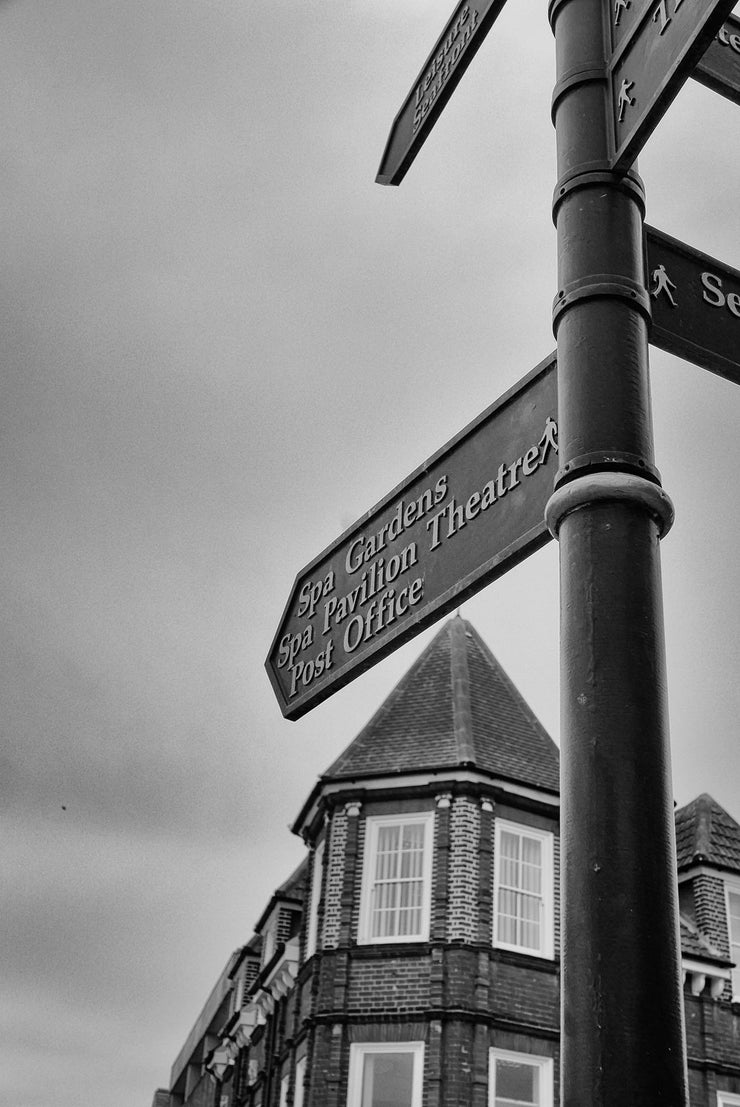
pixel 433 1066
pixel 479 1096
pixel 334 881
pixel 325 1068
pixel 440 870
pixel 352 876
pixel 711 910
pixel 337 1074
pixel 357 900
pixel 457 1072
pixel 462 909
pixel 485 872
pixel 287 923
pixel 556 893
pixel 387 1032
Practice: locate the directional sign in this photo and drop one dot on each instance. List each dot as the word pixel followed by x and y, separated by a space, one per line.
pixel 471 512
pixel 719 68
pixel 439 76
pixel 656 45
pixel 696 305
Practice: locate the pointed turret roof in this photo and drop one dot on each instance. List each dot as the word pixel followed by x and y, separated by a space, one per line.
pixel 454 708
pixel 706 834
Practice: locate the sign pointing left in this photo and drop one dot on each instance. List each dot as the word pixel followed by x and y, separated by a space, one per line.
pixel 439 76
pixel 470 513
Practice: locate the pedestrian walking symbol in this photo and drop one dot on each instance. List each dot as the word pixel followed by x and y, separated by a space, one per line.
pixel 663 283
pixel 625 100
pixel 619 7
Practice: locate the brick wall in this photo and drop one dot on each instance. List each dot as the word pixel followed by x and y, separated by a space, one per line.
pixel 462 906
pixel 393 985
pixel 711 910
pixel 334 880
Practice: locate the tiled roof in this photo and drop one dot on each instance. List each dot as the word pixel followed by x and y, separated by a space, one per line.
pixel 706 834
pixel 295 886
pixel 696 946
pixel 454 708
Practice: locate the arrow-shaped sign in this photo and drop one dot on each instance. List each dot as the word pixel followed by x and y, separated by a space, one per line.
pixel 695 301
pixel 719 68
pixel 438 78
pixel 656 45
pixel 465 517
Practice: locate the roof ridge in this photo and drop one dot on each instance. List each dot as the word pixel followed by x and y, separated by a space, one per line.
pixel 496 664
pixel 462 717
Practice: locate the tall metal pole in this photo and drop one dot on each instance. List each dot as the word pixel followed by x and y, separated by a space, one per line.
pixel 622 1010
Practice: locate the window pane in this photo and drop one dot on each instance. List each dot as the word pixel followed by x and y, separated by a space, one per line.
pixel 734 902
pixel 516 1082
pixel 531 864
pixel 387 1080
pixel 387 858
pixel 507 917
pixel 397 894
pixel 520 900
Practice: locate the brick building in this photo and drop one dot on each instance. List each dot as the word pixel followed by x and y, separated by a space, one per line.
pixel 412 959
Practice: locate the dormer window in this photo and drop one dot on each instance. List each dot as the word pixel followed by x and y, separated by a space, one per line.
pixel 277 927
pixel 397 877
pixel 523 889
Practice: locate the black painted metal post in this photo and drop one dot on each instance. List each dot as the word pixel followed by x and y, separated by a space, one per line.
pixel 622 1011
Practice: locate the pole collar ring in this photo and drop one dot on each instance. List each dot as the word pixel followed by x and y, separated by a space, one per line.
pixel 574 78
pixel 611 285
pixel 614 487
pixel 597 175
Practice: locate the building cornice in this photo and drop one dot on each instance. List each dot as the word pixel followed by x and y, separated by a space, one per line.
pixel 701 868
pixel 450 776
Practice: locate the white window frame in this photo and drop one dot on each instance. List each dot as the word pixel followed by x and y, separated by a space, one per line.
pixel 727 1099
pixel 317 876
pixel 734 888
pixel 547 930
pixel 543 1064
pixel 358 1051
pixel 373 823
pixel 300 1081
pixel 269 944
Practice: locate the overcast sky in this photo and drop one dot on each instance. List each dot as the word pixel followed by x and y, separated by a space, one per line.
pixel 222 342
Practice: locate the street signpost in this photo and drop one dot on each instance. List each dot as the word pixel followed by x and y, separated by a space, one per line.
pixel 719 67
pixel 460 520
pixel 438 78
pixel 656 46
pixel 695 302
pixel 476 508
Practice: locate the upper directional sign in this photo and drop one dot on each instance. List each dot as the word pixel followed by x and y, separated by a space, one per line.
pixel 462 519
pixel 457 46
pixel 696 305
pixel 656 45
pixel 719 68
